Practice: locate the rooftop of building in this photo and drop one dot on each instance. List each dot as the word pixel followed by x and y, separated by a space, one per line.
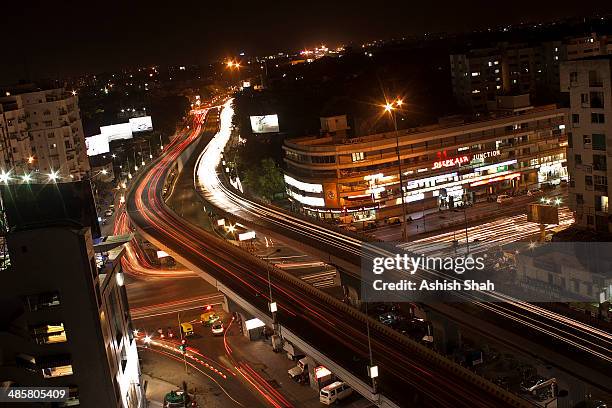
pixel 456 123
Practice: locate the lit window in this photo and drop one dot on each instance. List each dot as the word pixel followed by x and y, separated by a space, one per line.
pixel 358 156
pixel 59 371
pixel 475 74
pixel 49 333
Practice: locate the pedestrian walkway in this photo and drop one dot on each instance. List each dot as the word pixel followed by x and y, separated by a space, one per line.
pixel 273 368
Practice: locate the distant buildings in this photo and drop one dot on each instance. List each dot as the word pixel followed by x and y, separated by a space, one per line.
pixel 444 165
pixel 479 75
pixel 63 307
pixel 589 83
pixel 41 131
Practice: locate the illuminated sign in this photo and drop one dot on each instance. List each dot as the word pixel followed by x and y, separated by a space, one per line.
pixel 486 155
pixel 457 161
pixel 264 124
pixel 246 236
pixel 300 185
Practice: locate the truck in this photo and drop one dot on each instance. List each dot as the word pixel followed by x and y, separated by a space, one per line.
pixel 299 373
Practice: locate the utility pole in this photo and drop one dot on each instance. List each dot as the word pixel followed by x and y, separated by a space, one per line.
pixel 178 315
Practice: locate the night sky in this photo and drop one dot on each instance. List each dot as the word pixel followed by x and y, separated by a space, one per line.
pixel 65 37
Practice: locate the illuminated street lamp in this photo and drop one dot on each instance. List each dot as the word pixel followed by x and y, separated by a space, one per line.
pixel 5 176
pixel 26 178
pixel 31 159
pixel 390 108
pixel 53 176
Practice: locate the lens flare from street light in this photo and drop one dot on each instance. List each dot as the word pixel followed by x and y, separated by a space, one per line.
pixel 147 339
pixel 399 102
pixel 5 176
pixel 31 159
pixel 53 176
pixel 104 171
pixel 389 107
pixel 26 178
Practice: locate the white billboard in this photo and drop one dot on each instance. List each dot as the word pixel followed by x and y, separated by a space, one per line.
pixel 118 131
pixel 264 124
pixel 97 144
pixel 141 124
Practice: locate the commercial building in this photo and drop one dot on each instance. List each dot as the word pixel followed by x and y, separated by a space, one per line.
pixel 443 165
pixel 589 83
pixel 41 131
pixel 64 311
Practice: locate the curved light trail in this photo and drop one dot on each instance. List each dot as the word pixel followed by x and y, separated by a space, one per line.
pixel 316 318
pixel 577 335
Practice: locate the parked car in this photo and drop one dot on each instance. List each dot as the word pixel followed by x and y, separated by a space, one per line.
pixel 334 392
pixel 504 199
pixel 534 191
pixel 393 220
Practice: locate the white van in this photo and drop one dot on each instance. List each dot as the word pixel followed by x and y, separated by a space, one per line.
pixel 504 199
pixel 334 392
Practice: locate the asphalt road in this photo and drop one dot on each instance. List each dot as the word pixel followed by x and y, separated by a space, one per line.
pixel 406 377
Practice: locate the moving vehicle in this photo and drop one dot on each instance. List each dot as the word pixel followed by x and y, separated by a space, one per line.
pixel 504 199
pixel 299 373
pixel 334 392
pixel 217 328
pixel 209 317
pixel 187 329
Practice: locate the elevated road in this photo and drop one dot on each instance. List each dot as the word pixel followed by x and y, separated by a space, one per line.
pixel 588 347
pixel 411 375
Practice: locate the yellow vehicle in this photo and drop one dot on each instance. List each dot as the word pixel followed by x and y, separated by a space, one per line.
pixel 209 317
pixel 187 329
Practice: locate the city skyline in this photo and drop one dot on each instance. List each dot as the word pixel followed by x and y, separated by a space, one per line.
pixel 101 38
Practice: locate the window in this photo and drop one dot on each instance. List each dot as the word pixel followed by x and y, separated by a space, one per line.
pixel 359 156
pixel 590 220
pixel 599 141
pixel 601 180
pixel 57 371
pixel 577 159
pixel 570 140
pixel 49 333
pixel 599 162
pixel 48 123
pixel 67 144
pixel 595 79
pixel 43 301
pixel 584 99
pixel 597 118
pixel 597 100
pixel 575 118
pixel 573 77
pixel 588 180
pixel 579 199
pixel 586 140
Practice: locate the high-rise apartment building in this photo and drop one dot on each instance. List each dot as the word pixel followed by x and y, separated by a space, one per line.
pixel 41 131
pixel 479 75
pixel 589 83
pixel 64 314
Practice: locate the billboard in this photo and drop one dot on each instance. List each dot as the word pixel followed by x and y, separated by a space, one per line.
pixel 264 124
pixel 543 214
pixel 141 124
pixel 118 131
pixel 97 144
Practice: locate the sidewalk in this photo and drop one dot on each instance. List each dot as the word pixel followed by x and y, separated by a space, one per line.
pixel 273 368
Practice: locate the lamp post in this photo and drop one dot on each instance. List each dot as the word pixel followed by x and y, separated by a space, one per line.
pixel 272 305
pixel 390 108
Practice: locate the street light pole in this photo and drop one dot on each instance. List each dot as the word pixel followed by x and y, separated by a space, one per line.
pixel 401 178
